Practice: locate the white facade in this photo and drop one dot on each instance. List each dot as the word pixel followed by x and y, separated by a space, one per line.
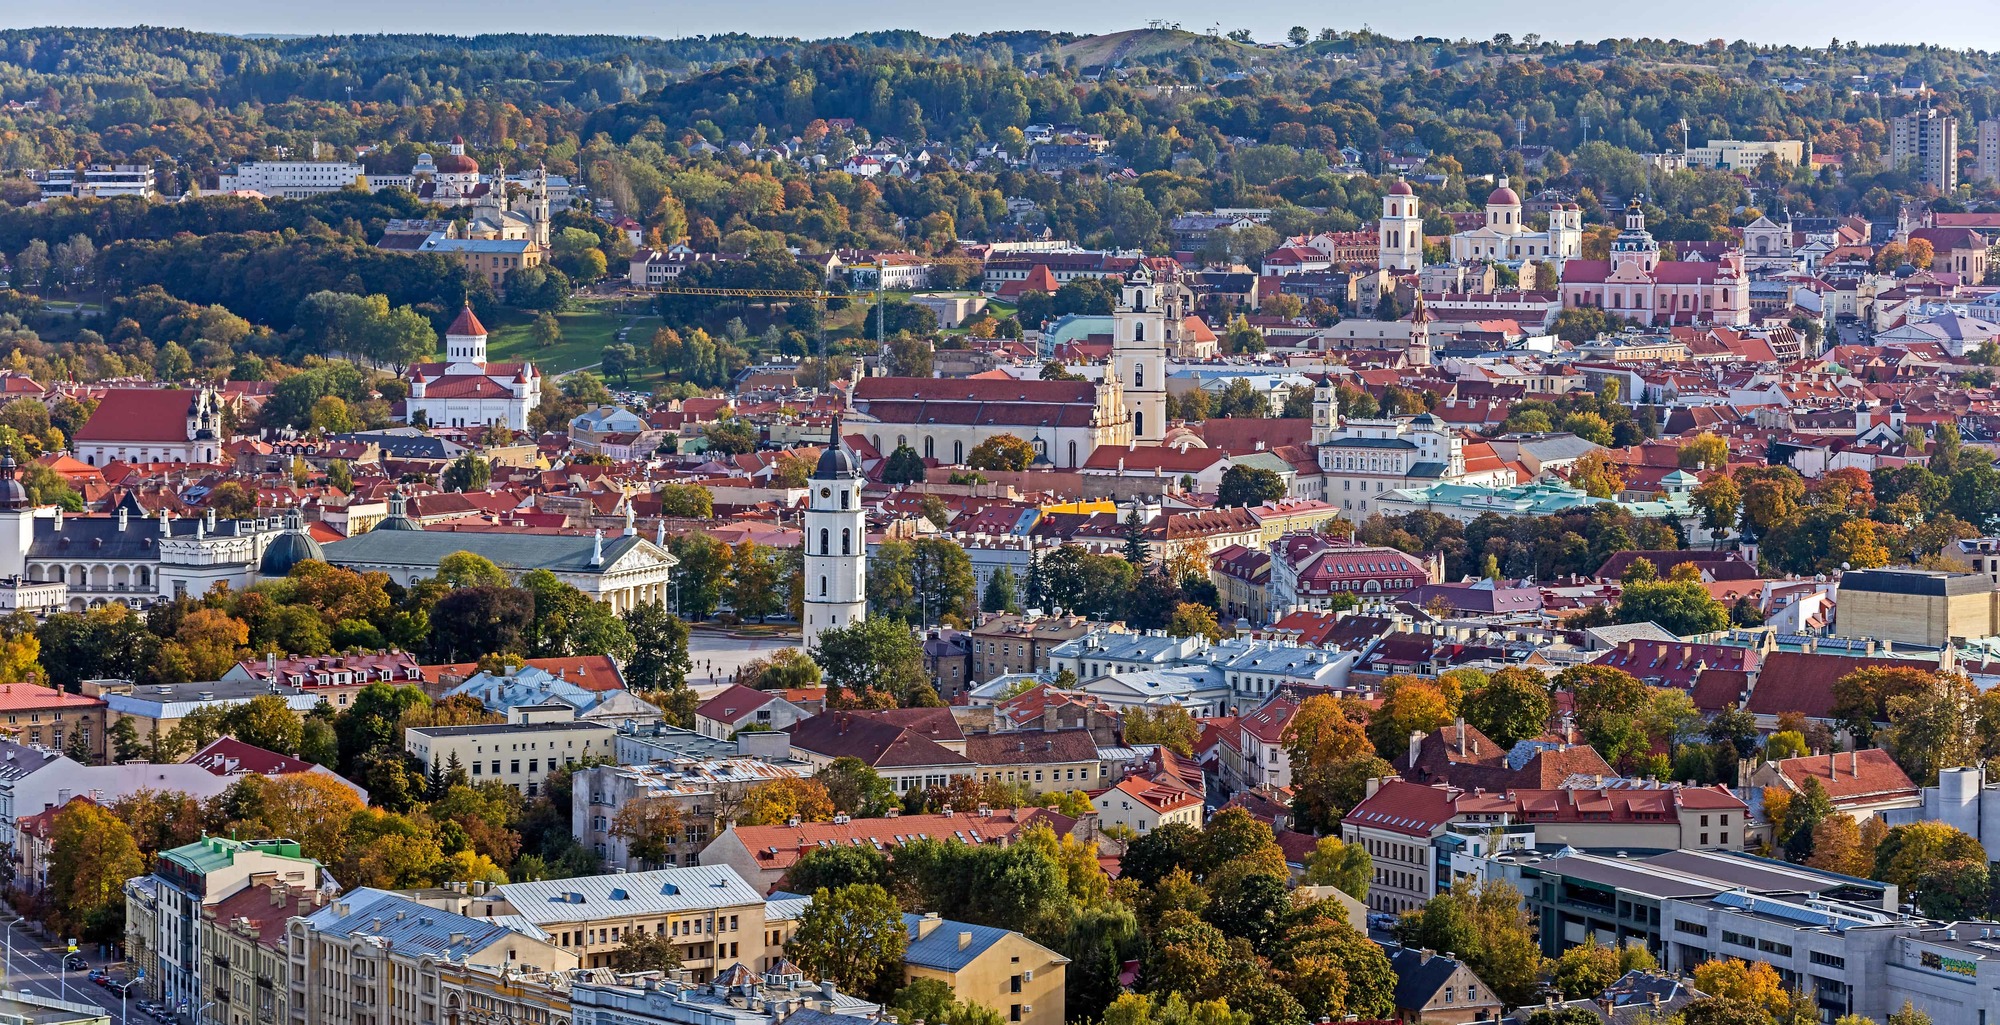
pixel 836 539
pixel 292 179
pixel 1505 238
pixel 1139 357
pixel 465 390
pixel 1402 237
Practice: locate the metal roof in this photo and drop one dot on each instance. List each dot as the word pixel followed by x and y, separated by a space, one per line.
pixel 633 893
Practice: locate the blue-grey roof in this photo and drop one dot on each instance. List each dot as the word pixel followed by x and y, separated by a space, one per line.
pixel 411 926
pixel 632 893
pixel 516 552
pixel 942 950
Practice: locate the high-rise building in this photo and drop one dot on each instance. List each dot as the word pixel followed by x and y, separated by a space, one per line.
pixel 1927 141
pixel 1987 164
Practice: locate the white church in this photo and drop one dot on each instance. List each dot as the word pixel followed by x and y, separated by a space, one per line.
pixel 1506 237
pixel 836 540
pixel 467 391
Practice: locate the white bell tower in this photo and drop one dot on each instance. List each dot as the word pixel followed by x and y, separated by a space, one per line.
pixel 1139 355
pixel 836 559
pixel 1401 246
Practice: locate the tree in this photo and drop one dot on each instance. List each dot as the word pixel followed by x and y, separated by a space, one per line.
pixel 660 658
pixel 903 466
pixel 91 854
pixel 875 661
pixel 1487 926
pixel 1952 891
pixel 645 952
pixel 753 581
pixel 546 330
pixel 1195 620
pixel 686 501
pixel 1249 485
pixel 267 721
pixel 1416 706
pixel 1000 592
pixel 1934 728
pixel 782 800
pixel 1704 450
pixel 855 789
pixel 1836 847
pixel 1908 851
pixel 1609 704
pixel 472 622
pixel 467 473
pixel 651 829
pixel 732 436
pixel 1682 607
pixel 853 935
pixel 1512 705
pixel 700 577
pixel 1169 726
pixel 1346 867
pixel 1001 452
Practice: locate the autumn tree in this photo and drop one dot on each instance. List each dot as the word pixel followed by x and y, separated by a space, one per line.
pixel 650 828
pixel 781 800
pixel 1346 867
pixel 91 854
pixel 1511 706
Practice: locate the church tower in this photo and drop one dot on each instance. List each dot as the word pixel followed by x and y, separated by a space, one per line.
pixel 538 210
pixel 1326 409
pixel 1139 356
pixel 17 523
pixel 1401 246
pixel 836 539
pixel 465 339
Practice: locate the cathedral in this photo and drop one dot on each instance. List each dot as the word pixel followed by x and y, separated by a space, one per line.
pixel 467 391
pixel 1637 285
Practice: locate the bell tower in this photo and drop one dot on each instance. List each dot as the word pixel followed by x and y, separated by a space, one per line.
pixel 1401 245
pixel 1139 355
pixel 836 540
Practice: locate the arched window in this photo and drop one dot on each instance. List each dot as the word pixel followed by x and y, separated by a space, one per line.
pixel 825 541
pixel 930 447
pixel 1072 453
pixel 846 541
pixel 1138 332
pixel 1138 422
pixel 957 452
pixel 822 587
pixel 1138 375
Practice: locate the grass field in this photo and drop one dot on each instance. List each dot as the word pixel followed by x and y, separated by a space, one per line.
pixel 585 333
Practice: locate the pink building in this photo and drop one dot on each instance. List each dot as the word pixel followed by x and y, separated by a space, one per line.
pixel 1636 284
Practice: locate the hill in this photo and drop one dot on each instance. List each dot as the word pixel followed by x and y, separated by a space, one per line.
pixel 1139 44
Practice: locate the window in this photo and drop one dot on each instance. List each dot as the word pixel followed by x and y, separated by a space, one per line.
pixel 1139 369
pixel 825 541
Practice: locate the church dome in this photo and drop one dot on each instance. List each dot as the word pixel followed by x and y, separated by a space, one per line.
pixel 289 549
pixel 1503 196
pixel 835 462
pixel 12 494
pixel 1401 188
pixel 453 163
pixel 398 518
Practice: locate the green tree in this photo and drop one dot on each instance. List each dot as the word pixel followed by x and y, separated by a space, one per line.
pixel 1000 592
pixel 1346 867
pixel 871 663
pixel 1001 452
pixel 853 935
pixel 468 473
pixel 1249 485
pixel 903 466
pixel 1511 706
pixel 1681 607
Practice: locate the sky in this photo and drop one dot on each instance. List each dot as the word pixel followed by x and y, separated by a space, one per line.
pixel 1957 23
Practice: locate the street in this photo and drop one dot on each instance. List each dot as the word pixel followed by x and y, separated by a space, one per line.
pixel 34 970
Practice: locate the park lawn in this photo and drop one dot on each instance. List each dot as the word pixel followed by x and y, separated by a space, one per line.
pixel 585 333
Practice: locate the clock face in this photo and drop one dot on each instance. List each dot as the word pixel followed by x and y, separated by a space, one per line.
pixel 826 492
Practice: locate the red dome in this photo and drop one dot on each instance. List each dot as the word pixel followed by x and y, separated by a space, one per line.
pixel 452 163
pixel 1503 196
pixel 1401 188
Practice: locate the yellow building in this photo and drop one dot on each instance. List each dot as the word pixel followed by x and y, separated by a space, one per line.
pixel 997 968
pixel 1917 606
pixel 490 258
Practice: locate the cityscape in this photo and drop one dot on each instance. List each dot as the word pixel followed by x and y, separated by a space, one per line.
pixel 1187 525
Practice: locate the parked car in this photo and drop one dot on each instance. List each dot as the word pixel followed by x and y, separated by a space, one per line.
pixel 75 963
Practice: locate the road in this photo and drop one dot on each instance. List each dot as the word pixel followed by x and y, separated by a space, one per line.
pixel 35 970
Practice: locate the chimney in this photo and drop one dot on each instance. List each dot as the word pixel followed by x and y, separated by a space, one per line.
pixel 927 924
pixel 1854 764
pixel 1416 740
pixel 1424 955
pixel 1459 724
pixel 965 939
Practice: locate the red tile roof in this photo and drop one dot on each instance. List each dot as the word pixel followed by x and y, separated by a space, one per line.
pixel 778 847
pixel 1854 777
pixel 140 415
